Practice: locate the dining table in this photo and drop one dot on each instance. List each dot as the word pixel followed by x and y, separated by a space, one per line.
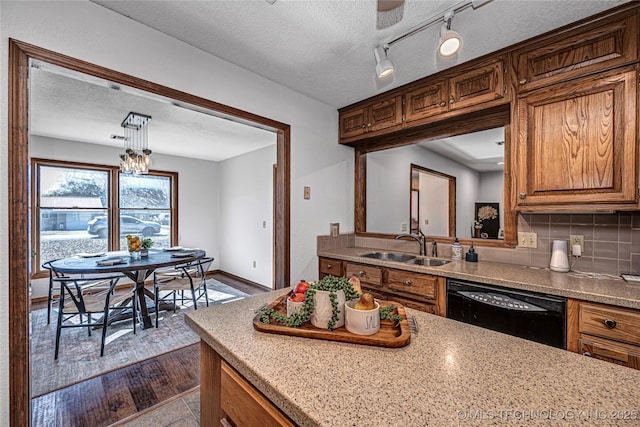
pixel 137 268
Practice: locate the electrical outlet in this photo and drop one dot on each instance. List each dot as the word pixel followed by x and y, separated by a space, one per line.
pixel 254 264
pixel 404 227
pixel 527 240
pixel 576 239
pixel 307 193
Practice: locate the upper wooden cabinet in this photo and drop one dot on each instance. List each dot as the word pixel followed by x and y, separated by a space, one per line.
pixel 604 44
pixel 484 82
pixel 371 117
pixel 577 142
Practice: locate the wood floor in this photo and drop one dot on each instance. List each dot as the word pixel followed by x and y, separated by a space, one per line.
pixel 122 393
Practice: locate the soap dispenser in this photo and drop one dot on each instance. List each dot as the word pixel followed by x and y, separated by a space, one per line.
pixel 456 250
pixel 471 256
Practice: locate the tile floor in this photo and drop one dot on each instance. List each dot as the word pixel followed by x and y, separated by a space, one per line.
pixel 181 412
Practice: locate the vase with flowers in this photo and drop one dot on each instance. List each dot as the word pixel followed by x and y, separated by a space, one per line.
pixel 146 244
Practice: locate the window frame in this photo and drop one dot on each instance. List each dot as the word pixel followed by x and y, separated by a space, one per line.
pixel 113 209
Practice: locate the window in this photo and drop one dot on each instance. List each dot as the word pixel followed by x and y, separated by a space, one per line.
pixel 76 206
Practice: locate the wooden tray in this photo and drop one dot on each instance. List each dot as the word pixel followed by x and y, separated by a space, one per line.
pixel 391 334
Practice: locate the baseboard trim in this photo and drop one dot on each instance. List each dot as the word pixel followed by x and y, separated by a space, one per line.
pixel 238 278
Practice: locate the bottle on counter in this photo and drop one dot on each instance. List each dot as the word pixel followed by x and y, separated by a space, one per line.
pixel 456 250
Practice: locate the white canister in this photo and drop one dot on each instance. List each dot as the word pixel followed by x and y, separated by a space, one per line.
pixel 559 256
pixel 323 309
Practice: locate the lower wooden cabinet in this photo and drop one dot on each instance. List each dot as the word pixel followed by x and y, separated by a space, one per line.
pixel 228 400
pixel 423 292
pixel 330 267
pixel 604 332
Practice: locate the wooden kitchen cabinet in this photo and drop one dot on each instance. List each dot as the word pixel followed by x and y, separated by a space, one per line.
pixel 604 332
pixel 384 114
pixel 471 87
pixel 413 290
pixel 228 400
pixel 577 143
pixel 605 44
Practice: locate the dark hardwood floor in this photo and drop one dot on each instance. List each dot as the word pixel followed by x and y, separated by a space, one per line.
pixel 111 397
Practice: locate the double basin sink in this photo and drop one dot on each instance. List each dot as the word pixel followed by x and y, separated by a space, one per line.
pixel 405 258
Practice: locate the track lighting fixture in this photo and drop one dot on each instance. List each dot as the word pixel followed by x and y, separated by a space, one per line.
pixel 384 67
pixel 450 41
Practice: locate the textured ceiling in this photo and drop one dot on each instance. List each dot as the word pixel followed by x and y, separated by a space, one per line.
pixel 324 48
pixel 68 105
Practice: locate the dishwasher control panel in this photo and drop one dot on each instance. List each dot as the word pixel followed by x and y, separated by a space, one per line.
pixel 501 300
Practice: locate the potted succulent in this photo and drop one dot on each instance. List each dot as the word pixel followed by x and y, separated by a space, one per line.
pixel 146 243
pixel 323 305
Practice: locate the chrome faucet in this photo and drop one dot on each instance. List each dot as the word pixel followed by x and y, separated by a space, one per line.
pixel 434 249
pixel 418 238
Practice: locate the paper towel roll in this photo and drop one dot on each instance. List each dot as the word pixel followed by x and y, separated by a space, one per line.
pixel 559 257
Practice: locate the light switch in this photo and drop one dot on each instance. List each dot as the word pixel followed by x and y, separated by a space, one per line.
pixel 307 193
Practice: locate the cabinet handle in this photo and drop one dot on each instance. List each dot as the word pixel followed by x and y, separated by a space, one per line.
pixel 329 266
pixel 364 126
pixel 586 353
pixel 610 323
pixel 443 103
pixel 451 101
pixel 369 124
pixel 522 81
pixel 407 282
pixel 360 273
pixel 522 195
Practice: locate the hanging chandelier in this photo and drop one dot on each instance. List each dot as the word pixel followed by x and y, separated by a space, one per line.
pixel 136 157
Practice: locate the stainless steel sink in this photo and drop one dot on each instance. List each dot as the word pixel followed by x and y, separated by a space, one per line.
pixel 389 256
pixel 429 262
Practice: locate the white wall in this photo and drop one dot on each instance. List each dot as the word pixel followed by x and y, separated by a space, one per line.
pixel 434 205
pixel 246 215
pixel 92 33
pixel 388 180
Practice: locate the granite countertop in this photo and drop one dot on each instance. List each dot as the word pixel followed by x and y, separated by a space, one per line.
pixel 607 291
pixel 451 373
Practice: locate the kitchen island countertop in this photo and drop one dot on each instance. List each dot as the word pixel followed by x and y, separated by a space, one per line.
pixel 451 373
pixel 606 290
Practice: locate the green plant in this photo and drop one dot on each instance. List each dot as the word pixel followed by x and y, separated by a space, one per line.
pixel 332 284
pixel 386 314
pixel 146 243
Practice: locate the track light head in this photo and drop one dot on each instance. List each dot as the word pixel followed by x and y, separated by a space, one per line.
pixel 384 66
pixel 450 41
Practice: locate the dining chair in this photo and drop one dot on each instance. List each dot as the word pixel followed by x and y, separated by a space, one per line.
pixel 89 302
pixel 190 276
pixel 52 274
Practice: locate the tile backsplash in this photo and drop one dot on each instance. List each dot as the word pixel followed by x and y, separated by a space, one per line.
pixel 611 242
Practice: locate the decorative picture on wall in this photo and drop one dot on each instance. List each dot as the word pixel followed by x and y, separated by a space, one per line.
pixel 487 222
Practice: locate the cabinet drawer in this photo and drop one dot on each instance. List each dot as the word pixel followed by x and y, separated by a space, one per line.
pixel 614 323
pixel 419 285
pixel 377 294
pixel 610 351
pixel 416 305
pixel 367 274
pixel 244 405
pixel 330 266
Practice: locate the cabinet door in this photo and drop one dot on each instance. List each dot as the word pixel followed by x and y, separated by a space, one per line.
pixel 385 114
pixel 596 48
pixel 368 275
pixel 427 101
pixel 577 142
pixel 354 122
pixel 610 351
pixel 481 84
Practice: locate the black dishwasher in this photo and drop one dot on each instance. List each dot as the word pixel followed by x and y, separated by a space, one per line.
pixel 533 316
